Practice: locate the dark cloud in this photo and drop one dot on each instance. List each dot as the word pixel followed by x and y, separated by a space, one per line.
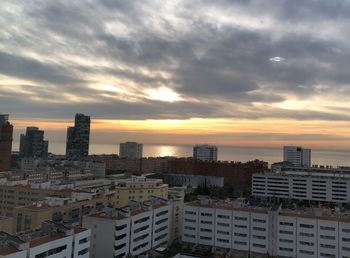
pixel 219 63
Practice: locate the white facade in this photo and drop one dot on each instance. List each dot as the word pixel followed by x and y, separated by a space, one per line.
pixel 299 186
pixel 272 231
pixel 297 155
pixel 131 150
pixel 133 230
pixel 51 243
pixel 205 152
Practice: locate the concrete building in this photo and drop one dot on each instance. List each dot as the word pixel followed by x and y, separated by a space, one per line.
pixel 236 174
pixel 193 181
pixel 51 241
pixel 78 138
pixel 234 227
pixel 139 189
pixel 205 152
pixel 33 145
pixel 23 194
pixel 58 209
pixel 6 131
pixel 130 150
pixel 133 230
pixel 311 184
pixel 297 155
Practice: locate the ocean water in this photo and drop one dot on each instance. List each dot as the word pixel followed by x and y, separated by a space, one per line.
pixel 227 153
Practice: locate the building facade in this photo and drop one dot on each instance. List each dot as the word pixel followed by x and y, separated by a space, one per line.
pixel 131 231
pixel 6 132
pixel 266 231
pixel 297 155
pixel 78 138
pixel 319 186
pixel 138 188
pixel 205 152
pixel 51 241
pixel 32 144
pixel 130 150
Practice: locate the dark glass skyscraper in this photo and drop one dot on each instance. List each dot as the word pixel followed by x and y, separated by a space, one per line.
pixel 6 131
pixel 32 144
pixel 78 138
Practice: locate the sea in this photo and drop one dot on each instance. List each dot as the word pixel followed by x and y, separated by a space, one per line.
pixel 333 158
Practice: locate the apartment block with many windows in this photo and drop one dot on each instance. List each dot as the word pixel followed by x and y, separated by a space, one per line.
pixel 132 230
pixel 237 227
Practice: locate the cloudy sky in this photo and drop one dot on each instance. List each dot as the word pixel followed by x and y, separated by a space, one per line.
pixel 243 72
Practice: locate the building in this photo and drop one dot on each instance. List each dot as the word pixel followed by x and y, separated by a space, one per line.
pixel 139 189
pixel 297 155
pixel 130 150
pixel 58 209
pixel 12 196
pixel 304 184
pixel 52 240
pixel 133 230
pixel 78 138
pixel 32 144
pixel 6 132
pixel 138 166
pixel 235 227
pixel 193 181
pixel 205 152
pixel 236 174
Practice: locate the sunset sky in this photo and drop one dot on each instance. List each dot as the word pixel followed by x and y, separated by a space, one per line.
pixel 243 72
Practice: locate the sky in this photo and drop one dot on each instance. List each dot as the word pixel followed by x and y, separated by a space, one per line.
pixel 242 73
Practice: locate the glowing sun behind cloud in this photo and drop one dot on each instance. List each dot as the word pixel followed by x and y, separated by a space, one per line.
pixel 163 94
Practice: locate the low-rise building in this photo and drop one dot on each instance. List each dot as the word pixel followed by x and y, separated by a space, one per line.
pixel 262 230
pixel 58 209
pixel 312 184
pixel 51 241
pixel 132 230
pixel 139 189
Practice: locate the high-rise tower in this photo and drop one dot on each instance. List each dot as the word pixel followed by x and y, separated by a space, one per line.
pixel 32 144
pixel 6 132
pixel 78 138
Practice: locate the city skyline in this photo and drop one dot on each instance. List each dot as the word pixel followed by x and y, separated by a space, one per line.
pixel 243 73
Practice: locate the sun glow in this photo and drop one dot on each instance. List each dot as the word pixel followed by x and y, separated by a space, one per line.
pixel 163 94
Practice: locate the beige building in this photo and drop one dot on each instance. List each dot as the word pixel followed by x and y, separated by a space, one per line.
pixel 12 196
pixel 57 209
pixel 139 189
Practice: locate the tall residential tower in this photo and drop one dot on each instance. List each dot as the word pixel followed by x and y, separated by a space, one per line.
pixel 297 155
pixel 32 144
pixel 6 131
pixel 205 152
pixel 78 138
pixel 130 150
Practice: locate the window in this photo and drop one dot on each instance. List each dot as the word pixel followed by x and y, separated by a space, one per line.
pixel 306 226
pixel 259 245
pixel 306 252
pixel 286 249
pixel 327 246
pixel 327 228
pixel 283 223
pixel 240 235
pixel 306 243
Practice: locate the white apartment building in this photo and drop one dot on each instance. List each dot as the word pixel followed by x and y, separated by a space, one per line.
pixel 53 240
pixel 322 186
pixel 261 231
pixel 297 155
pixel 205 152
pixel 130 150
pixel 133 230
